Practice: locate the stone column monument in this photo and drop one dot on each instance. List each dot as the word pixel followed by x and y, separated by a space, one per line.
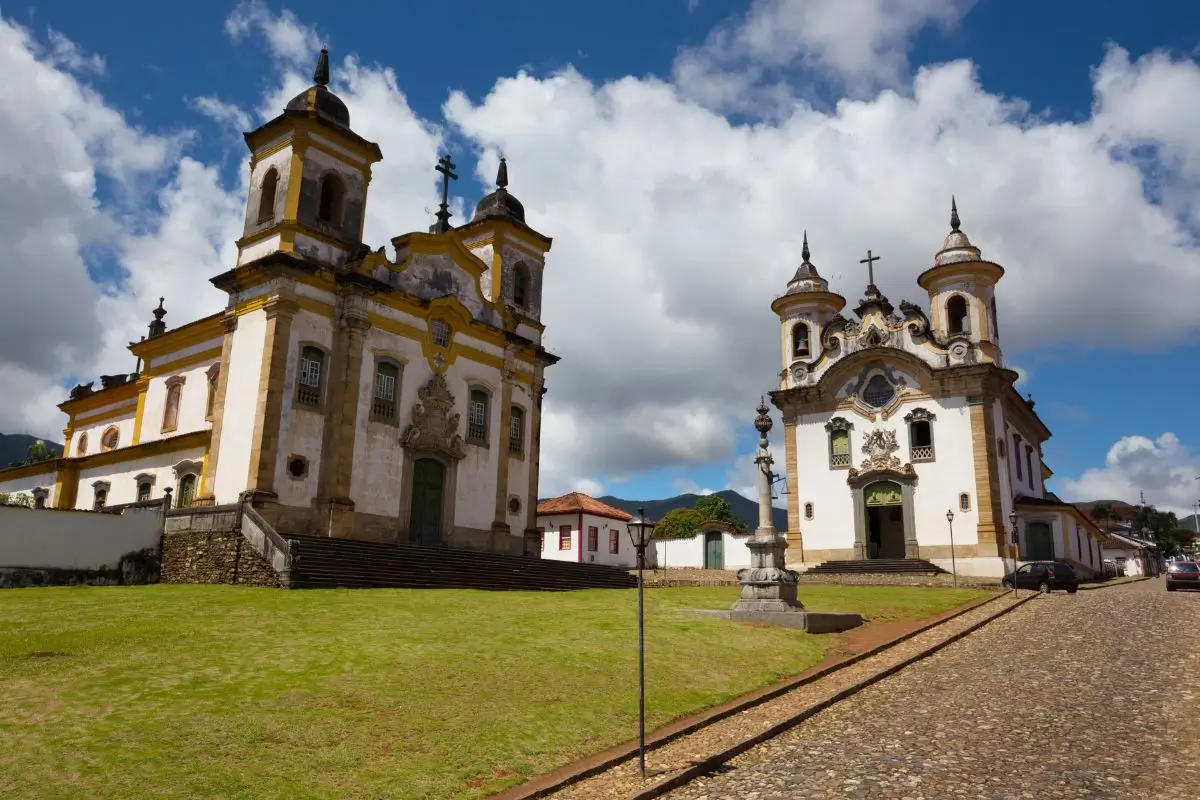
pixel 768 587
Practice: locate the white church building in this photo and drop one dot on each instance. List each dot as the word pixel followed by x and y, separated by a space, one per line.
pixel 903 429
pixel 340 392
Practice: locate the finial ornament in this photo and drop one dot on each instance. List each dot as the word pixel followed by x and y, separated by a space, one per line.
pixel 954 221
pixel 804 248
pixel 446 167
pixel 762 423
pixel 158 327
pixel 160 312
pixel 502 174
pixel 321 71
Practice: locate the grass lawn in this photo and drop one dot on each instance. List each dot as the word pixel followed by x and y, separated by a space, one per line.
pixel 230 692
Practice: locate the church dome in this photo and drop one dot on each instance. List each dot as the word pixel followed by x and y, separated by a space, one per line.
pixel 806 279
pixel 957 247
pixel 500 204
pixel 319 100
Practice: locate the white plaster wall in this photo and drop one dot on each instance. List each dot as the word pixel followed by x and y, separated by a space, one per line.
pixel 95 430
pixel 261 248
pixel 1031 486
pixel 375 482
pixel 626 555
pixel 832 525
pixel 319 248
pixel 344 153
pixel 484 250
pixel 301 429
pixel 193 401
pixel 670 553
pixel 241 402
pixel 26 485
pixel 121 477
pixel 1003 467
pixel 478 471
pixel 551 524
pixel 47 538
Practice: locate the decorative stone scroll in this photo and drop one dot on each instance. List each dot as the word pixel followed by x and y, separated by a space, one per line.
pixel 880 448
pixel 919 415
pixel 434 423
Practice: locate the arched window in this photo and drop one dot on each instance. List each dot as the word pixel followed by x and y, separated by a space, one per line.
pixel 99 495
pixel 808 510
pixel 964 502
pixel 800 344
pixel 110 439
pixel 387 391
pixel 920 434
pixel 521 285
pixel 40 496
pixel 516 430
pixel 81 448
pixel 214 373
pixel 956 314
pixel 995 319
pixel 187 490
pixel 266 197
pixel 329 208
pixel 878 392
pixel 839 442
pixel 477 417
pixel 171 410
pixel 311 376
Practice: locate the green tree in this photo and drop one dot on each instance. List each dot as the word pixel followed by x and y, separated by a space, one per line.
pixel 713 508
pixel 1104 513
pixel 20 499
pixel 38 452
pixel 681 523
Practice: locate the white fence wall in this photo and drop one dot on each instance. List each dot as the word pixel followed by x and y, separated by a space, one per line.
pixel 53 539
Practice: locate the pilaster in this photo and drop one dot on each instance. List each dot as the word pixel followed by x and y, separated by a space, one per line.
pixel 791 464
pixel 991 529
pixel 268 413
pixel 66 484
pixel 500 526
pixel 537 392
pixel 230 321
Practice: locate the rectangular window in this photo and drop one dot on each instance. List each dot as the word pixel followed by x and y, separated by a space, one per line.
pixel 593 538
pixel 383 404
pixel 143 492
pixel 1029 464
pixel 516 430
pixel 614 541
pixel 308 390
pixel 564 537
pixel 1017 456
pixel 440 331
pixel 477 417
pixel 839 449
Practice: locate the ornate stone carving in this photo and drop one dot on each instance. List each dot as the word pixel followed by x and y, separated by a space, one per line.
pixel 838 424
pixel 434 423
pixel 919 415
pixel 82 390
pixel 880 448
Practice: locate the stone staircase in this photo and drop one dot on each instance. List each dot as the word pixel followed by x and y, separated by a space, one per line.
pixel 322 563
pixel 877 566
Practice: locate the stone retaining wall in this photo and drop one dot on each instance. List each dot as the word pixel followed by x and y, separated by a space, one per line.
pixel 214 557
pixel 694 576
pixel 687 576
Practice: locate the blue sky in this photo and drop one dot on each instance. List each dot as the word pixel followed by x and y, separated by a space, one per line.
pixel 1091 392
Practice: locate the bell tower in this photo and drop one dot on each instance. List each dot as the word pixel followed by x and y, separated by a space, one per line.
pixel 962 292
pixel 803 311
pixel 309 174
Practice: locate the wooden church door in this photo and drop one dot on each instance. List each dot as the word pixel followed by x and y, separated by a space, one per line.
pixel 428 490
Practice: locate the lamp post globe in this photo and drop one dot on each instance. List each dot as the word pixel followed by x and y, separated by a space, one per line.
pixel 950 516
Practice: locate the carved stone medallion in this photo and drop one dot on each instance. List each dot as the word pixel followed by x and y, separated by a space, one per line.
pixel 880 449
pixel 434 423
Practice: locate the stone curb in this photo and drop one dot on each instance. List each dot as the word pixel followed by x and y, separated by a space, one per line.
pixel 581 769
pixel 709 763
pixel 1110 584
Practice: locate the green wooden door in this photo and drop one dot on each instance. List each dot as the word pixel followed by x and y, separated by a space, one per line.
pixel 714 550
pixel 1039 542
pixel 429 478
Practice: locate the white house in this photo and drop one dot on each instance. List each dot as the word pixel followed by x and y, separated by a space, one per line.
pixel 893 418
pixel 576 527
pixel 715 546
pixel 339 391
pixel 1129 554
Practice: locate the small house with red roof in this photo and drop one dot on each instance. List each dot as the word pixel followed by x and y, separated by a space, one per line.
pixel 577 527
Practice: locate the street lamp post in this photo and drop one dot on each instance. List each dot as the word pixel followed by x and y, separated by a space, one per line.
pixel 953 563
pixel 1012 521
pixel 640 532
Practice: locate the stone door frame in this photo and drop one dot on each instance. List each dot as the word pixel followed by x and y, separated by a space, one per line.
pixel 449 492
pixel 907 484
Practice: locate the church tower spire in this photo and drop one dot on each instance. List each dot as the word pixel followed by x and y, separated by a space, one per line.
pixel 803 309
pixel 309 173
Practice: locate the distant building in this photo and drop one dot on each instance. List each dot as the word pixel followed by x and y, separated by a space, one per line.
pixel 577 527
pixel 715 546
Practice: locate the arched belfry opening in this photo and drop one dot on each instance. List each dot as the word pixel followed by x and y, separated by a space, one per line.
pixel 956 315
pixel 329 208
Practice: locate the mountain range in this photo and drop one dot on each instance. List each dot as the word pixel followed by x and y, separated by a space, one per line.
pixel 14 448
pixel 746 510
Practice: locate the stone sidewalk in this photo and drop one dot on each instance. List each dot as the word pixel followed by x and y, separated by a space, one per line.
pixel 1069 696
pixel 672 759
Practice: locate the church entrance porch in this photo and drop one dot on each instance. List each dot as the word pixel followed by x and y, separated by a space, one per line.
pixel 883 524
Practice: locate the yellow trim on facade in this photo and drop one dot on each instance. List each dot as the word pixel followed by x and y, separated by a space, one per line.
pixel 267 152
pixel 169 444
pixel 180 338
pixel 143 384
pixel 114 413
pixel 291 200
pixel 287 230
pixel 28 470
pixel 211 354
pixel 99 399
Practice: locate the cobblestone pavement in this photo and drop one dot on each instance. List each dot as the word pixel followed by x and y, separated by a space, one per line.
pixel 1090 695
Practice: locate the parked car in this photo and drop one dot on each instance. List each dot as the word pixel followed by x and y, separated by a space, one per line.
pixel 1183 575
pixel 1045 576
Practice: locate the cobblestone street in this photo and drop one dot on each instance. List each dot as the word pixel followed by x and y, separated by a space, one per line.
pixel 1089 695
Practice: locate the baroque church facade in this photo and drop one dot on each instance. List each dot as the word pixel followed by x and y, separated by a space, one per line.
pixel 904 435
pixel 339 392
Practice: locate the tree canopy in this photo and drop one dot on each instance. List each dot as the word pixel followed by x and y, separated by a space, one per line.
pixel 20 499
pixel 684 523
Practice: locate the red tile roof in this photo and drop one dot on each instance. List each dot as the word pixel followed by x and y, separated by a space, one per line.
pixel 576 502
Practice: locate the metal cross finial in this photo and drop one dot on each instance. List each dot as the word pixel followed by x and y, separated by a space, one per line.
pixel 804 254
pixel 870 262
pixel 954 221
pixel 446 167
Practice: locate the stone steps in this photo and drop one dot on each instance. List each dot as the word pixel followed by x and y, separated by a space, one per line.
pixel 323 563
pixel 877 566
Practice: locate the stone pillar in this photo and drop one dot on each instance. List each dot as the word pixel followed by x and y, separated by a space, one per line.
pixel 791 468
pixel 208 490
pixel 335 509
pixel 992 530
pixel 268 413
pixel 500 528
pixel 860 524
pixel 537 391
pixel 911 548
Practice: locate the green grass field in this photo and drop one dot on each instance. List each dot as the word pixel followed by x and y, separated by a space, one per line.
pixel 228 692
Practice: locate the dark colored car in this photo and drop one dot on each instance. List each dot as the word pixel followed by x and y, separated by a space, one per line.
pixel 1045 576
pixel 1183 575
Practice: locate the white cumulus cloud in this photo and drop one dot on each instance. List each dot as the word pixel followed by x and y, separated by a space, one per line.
pixel 1163 468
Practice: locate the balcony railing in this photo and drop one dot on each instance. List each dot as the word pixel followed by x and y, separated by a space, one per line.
pixel 921 453
pixel 839 460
